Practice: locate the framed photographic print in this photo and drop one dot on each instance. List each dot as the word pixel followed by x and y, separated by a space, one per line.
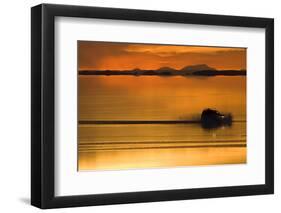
pixel 139 106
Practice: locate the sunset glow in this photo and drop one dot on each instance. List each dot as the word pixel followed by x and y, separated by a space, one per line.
pixel 125 56
pixel 160 106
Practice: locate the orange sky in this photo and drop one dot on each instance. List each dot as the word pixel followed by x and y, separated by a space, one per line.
pixel 124 56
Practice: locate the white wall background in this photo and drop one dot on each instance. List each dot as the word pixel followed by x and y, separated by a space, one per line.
pixel 15 105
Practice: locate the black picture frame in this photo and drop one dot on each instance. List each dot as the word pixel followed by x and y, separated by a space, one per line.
pixel 43 101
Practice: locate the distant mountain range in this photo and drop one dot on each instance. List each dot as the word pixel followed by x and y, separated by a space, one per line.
pixel 194 70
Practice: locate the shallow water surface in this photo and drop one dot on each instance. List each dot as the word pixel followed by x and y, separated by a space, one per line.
pixel 142 98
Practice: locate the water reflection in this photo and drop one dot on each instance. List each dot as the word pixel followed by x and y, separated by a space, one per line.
pixel 125 146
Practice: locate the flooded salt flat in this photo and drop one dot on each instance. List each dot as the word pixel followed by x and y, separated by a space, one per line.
pixel 141 98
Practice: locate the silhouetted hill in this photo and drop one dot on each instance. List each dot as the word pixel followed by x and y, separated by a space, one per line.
pixel 166 69
pixel 197 67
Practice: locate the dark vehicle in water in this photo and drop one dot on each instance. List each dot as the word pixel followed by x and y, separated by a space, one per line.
pixel 211 118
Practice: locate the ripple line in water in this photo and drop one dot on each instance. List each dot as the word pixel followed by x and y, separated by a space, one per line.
pixel 89 122
pixel 159 142
pixel 165 147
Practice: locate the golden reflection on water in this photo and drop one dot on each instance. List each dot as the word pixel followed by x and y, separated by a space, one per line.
pixel 159 98
pixel 103 147
pixel 150 158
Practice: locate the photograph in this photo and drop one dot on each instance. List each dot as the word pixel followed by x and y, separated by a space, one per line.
pixel 146 106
